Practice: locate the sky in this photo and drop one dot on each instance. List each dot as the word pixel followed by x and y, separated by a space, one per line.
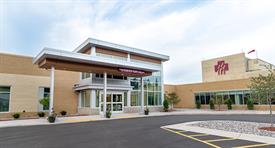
pixel 189 31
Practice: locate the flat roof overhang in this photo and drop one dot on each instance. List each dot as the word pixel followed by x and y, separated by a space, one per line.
pixel 72 61
pixel 99 43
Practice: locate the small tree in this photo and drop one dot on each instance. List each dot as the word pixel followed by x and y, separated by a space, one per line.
pixel 229 104
pixel 45 102
pixel 250 104
pixel 264 86
pixel 198 104
pixel 165 105
pixel 173 99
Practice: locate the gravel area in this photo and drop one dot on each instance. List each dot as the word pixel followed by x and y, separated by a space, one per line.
pixel 236 126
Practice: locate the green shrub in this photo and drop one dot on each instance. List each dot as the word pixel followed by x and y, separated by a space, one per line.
pixel 45 102
pixel 229 104
pixel 108 114
pixel 16 115
pixel 212 104
pixel 41 114
pixel 63 113
pixel 165 105
pixel 250 104
pixel 198 105
pixel 146 111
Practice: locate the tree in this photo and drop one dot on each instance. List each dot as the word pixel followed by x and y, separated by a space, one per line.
pixel 172 98
pixel 229 103
pixel 45 102
pixel 165 105
pixel 264 87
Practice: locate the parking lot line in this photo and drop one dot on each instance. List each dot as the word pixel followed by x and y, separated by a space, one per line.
pixel 216 140
pixel 193 138
pixel 198 135
pixel 254 145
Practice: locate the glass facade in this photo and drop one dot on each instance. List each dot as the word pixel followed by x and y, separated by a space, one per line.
pixel 4 99
pixel 85 75
pixel 238 97
pixel 85 98
pixel 152 90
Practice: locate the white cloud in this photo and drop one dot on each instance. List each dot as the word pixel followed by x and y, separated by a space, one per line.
pixel 210 30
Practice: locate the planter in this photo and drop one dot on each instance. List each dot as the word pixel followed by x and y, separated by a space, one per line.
pixel 51 119
pixel 146 112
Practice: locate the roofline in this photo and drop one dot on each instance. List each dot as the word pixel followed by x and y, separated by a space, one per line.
pixel 121 48
pixel 85 58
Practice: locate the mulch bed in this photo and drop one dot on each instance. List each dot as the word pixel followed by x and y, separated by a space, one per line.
pixel 268 129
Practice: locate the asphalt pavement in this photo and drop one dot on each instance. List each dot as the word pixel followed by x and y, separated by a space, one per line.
pixel 123 133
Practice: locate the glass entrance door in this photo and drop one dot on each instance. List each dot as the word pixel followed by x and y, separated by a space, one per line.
pixel 114 102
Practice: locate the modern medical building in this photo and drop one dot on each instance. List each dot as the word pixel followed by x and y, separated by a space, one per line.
pixel 95 77
pixel 225 77
pixel 98 76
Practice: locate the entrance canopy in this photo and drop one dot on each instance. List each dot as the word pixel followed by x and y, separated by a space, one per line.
pixel 72 61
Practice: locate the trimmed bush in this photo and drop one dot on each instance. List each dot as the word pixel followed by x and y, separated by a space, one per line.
pixel 16 116
pixel 63 113
pixel 108 114
pixel 250 104
pixel 41 114
pixel 212 104
pixel 198 105
pixel 229 104
pixel 165 105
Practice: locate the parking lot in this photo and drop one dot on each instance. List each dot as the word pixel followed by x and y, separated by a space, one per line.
pixel 218 141
pixel 123 133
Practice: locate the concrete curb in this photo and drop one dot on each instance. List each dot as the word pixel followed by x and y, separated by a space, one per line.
pixel 249 137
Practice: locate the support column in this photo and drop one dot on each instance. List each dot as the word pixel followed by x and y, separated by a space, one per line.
pixel 104 93
pixel 51 91
pixel 142 95
pixel 162 84
pixel 93 51
pixel 93 99
pixel 128 98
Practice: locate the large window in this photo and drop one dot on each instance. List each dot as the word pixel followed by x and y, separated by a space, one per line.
pixel 4 99
pixel 44 92
pixel 237 97
pixel 152 90
pixel 85 98
pixel 85 75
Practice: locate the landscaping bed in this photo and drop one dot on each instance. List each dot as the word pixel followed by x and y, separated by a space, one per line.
pixel 254 128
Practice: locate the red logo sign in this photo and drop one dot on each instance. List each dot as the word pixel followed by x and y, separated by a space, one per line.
pixel 221 67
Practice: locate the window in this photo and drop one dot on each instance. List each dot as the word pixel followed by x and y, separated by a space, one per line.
pixel 85 75
pixel 85 98
pixel 4 99
pixel 135 95
pixel 44 92
pixel 237 97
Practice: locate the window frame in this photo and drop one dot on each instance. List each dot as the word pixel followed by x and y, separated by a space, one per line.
pixel 9 110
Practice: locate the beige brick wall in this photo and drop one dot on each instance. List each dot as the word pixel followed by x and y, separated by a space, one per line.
pixel 65 98
pixel 237 68
pixel 24 90
pixel 186 91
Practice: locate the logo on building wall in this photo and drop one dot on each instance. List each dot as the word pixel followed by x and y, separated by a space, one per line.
pixel 221 67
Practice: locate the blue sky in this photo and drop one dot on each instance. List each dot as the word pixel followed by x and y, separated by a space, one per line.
pixel 186 30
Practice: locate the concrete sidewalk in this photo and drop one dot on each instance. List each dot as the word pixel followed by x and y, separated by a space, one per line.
pixel 75 119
